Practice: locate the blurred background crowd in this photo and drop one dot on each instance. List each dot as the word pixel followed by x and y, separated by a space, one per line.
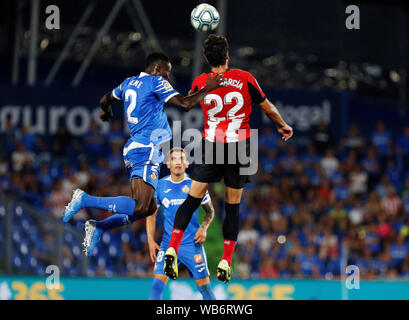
pixel 336 194
pixel 305 211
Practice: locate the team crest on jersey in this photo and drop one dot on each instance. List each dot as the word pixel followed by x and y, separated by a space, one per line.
pixel 198 258
pixel 153 176
pixel 185 189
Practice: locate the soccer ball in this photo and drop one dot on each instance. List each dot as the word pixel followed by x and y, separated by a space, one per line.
pixel 204 17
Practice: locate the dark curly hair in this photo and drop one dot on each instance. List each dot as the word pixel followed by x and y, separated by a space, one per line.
pixel 215 50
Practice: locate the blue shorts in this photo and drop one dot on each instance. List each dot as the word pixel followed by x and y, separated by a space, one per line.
pixel 193 256
pixel 142 161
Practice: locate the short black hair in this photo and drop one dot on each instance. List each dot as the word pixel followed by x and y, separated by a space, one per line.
pixel 215 49
pixel 156 57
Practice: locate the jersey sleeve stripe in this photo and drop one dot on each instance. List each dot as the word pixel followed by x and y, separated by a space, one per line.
pixel 171 95
pixel 114 95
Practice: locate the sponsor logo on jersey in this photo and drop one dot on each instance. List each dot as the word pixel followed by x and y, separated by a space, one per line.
pixel 198 258
pixel 166 202
pixel 167 190
pixel 174 202
pixel 201 269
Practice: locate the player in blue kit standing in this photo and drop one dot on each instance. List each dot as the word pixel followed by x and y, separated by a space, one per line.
pixel 143 98
pixel 171 192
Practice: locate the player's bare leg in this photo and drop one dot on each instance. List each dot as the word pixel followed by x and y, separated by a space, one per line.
pixel 183 216
pixel 230 232
pixel 143 193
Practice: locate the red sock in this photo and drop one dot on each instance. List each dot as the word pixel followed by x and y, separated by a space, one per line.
pixel 228 250
pixel 176 239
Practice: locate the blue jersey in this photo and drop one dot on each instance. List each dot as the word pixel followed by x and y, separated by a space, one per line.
pixel 144 97
pixel 170 195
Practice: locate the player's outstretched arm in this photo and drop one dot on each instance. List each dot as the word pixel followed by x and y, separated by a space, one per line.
pixel 105 104
pixel 274 115
pixel 188 102
pixel 207 220
pixel 150 231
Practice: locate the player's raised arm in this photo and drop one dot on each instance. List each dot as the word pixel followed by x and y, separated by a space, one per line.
pixel 274 115
pixel 150 231
pixel 105 104
pixel 188 102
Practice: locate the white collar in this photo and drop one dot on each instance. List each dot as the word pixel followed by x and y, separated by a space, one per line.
pixel 142 74
pixel 170 179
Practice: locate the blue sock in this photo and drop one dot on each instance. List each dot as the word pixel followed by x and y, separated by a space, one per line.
pixel 157 289
pixel 122 204
pixel 116 221
pixel 206 291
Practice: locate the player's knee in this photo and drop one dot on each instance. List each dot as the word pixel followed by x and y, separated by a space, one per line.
pixel 145 208
pixel 141 209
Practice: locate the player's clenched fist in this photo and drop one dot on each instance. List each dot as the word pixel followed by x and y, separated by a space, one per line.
pixel 286 132
pixel 106 115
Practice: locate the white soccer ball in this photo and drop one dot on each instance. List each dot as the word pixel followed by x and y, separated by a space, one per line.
pixel 204 17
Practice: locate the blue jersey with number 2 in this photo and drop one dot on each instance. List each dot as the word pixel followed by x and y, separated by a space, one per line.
pixel 144 97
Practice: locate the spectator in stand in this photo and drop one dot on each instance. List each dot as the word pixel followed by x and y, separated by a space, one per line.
pixel 372 167
pixel 268 269
pixel 21 158
pixel 381 139
pixel 28 138
pixel 354 140
pixel 116 136
pixel 58 200
pixel 329 162
pixel 358 181
pixel 9 136
pixel 356 214
pixel 322 138
pixel 398 252
pixel 95 142
pixel 267 140
pixel 391 203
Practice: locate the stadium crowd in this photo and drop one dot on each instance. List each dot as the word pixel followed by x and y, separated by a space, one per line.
pixel 308 210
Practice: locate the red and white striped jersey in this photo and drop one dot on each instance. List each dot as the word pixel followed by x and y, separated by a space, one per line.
pixel 227 109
